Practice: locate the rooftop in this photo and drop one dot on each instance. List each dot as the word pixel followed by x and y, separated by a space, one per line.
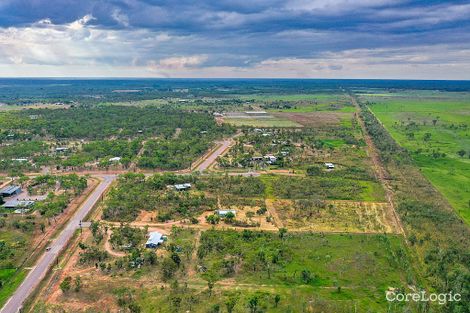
pixel 10 189
pixel 18 204
pixel 225 212
pixel 183 186
pixel 155 238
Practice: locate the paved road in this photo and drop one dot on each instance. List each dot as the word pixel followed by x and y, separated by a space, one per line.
pixel 212 157
pixel 49 257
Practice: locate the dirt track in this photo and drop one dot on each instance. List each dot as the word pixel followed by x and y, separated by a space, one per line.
pixel 379 168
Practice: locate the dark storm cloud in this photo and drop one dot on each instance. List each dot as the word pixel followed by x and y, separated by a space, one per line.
pixel 229 33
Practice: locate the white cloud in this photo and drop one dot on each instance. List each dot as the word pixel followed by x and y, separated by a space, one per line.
pixel 81 48
pixel 333 7
pixel 120 17
pixel 76 43
pixel 170 66
pixel 423 16
pixel 80 23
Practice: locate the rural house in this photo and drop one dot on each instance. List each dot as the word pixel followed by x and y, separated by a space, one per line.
pixel 182 187
pixel 155 239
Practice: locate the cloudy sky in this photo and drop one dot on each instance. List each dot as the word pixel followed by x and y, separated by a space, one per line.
pixel 236 38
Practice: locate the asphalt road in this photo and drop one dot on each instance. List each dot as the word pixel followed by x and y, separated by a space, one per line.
pixel 211 158
pixel 39 271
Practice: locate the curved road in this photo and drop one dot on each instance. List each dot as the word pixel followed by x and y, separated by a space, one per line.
pixel 39 271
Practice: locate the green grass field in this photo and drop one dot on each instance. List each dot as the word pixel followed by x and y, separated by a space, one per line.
pixel 433 129
pixel 10 279
pixel 321 107
pixel 292 97
pixel 303 103
pixel 363 266
pixel 331 188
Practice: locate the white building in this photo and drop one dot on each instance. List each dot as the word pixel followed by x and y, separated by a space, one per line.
pixel 223 213
pixel 182 187
pixel 155 239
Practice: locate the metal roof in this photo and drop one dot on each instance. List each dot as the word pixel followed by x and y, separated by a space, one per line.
pixel 183 186
pixel 225 212
pixel 10 189
pixel 18 204
pixel 155 238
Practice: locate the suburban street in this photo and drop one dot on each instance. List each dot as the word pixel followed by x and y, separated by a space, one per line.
pixel 39 271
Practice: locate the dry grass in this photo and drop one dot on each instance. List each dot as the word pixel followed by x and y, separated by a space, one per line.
pixel 315 119
pixel 338 216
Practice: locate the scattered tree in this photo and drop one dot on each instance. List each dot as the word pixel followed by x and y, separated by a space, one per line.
pixel 66 284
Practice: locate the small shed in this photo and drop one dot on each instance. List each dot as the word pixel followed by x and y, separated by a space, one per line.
pixel 115 159
pixel 329 165
pixel 182 187
pixel 11 190
pixel 18 204
pixel 155 239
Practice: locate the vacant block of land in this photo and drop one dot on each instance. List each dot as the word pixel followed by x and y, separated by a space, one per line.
pixel 336 216
pixel 315 119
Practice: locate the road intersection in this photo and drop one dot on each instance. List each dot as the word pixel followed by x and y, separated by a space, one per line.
pixel 46 261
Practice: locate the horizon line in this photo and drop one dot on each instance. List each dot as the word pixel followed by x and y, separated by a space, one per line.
pixel 221 78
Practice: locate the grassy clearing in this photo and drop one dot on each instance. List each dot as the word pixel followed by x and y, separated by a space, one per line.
pixel 268 181
pixel 322 107
pixel 336 216
pixel 15 245
pixel 302 103
pixel 291 97
pixel 325 188
pixel 11 279
pixel 11 107
pixel 435 131
pixel 317 119
pixel 262 122
pixel 362 266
